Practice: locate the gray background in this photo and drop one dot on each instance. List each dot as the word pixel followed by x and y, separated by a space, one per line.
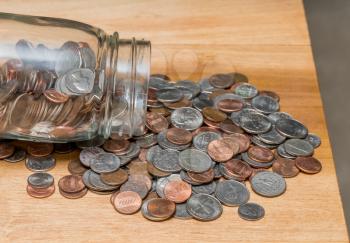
pixel 329 28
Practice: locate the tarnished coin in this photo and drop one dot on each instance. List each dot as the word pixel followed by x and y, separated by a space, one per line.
pixel 205 188
pixel 74 195
pixel 308 165
pixel 254 122
pixel 313 139
pixel 251 211
pixel 291 128
pixel 212 114
pixel 285 167
pixel 221 151
pixel 135 186
pixel 40 180
pixel 187 118
pixel 194 160
pixel 160 208
pixel 162 182
pixel 265 104
pixel 177 191
pixel 17 156
pixel 76 168
pixel 199 104
pixel 87 155
pixel 272 136
pixel 246 90
pixel 40 164
pixel 168 161
pixel 127 202
pixel 40 149
pixel 204 207
pixel 260 154
pixel 231 193
pixel 201 140
pixel 242 139
pixel 169 95
pixel 153 153
pixel 274 117
pixel 64 148
pixel 254 163
pixel 71 184
pixel 166 144
pixel 181 211
pixel 93 181
pixel 142 178
pixel 105 162
pixel 268 184
pixel 40 192
pixel 177 105
pixel 156 122
pixel 221 81
pixel 115 178
pixel 281 151
pixel 298 147
pixel 179 136
pixel 229 127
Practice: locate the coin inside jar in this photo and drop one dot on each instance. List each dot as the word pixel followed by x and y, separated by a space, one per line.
pixel 156 122
pixel 6 150
pixel 127 202
pixel 179 136
pixel 116 146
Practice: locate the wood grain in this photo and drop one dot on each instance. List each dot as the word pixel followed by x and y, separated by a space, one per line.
pixel 268 41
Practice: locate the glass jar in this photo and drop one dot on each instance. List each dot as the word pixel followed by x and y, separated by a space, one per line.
pixel 62 80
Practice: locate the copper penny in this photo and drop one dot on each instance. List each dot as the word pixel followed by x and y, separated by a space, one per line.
pixel 76 168
pixel 229 127
pixel 229 105
pixel 217 93
pixel 143 154
pixel 182 103
pixel 55 96
pixel 161 208
pixel 40 192
pixel 238 169
pixel 242 139
pixel 6 150
pixel 308 165
pixel 127 202
pixel 260 154
pixel 285 167
pixel 115 178
pixel 116 146
pixel 71 184
pixel 156 122
pixel 220 151
pixel 161 110
pixel 212 114
pixel 74 195
pixel 179 136
pixel 40 149
pixel 202 178
pixel 155 171
pixel 63 132
pixel 221 80
pixel 138 167
pixel 211 123
pixel 177 191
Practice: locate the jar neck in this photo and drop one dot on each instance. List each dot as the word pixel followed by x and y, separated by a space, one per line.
pixel 127 74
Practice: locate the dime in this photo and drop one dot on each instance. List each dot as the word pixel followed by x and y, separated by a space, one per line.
pixel 40 192
pixel 169 95
pixel 17 156
pixel 79 81
pixel 179 136
pixel 291 128
pixel 71 184
pixel 313 139
pixel 40 164
pixel 194 160
pixel 76 168
pixel 204 207
pixel 260 154
pixel 40 180
pixel 127 202
pixel 156 122
pixel 221 81
pixel 251 211
pixel 221 151
pixel 265 104
pixel 40 149
pixel 115 178
pixel 116 146
pixel 285 167
pixel 281 151
pixel 231 193
pixel 268 184
pixel 87 155
pixel 298 147
pixel 177 191
pixel 181 211
pixel 105 162
pixel 213 114
pixel 308 165
pixel 188 84
pixel 186 118
pixel 272 136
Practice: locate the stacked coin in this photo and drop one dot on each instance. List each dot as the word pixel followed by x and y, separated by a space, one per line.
pixel 72 187
pixel 40 185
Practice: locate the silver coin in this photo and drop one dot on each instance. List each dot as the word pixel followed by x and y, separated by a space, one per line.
pixel 251 211
pixel 199 104
pixel 231 193
pixel 204 207
pixel 205 188
pixel 66 60
pixel 17 156
pixel 201 140
pixel 96 183
pixel 87 155
pixel 168 161
pixel 254 163
pixel 187 93
pixel 40 164
pixel 272 136
pixel 221 80
pixel 187 118
pixel 188 84
pixel 279 115
pixel 291 128
pixel 235 117
pixel 254 122
pixel 313 139
pixel 105 162
pixel 158 83
pixel 80 81
pixel 268 184
pixel 205 86
pixel 257 141
pixel 166 144
pixel 88 58
pixel 265 104
pixel 169 95
pixel 135 186
pixel 181 211
pixel 40 180
pixel 153 153
pixel 246 90
pixel 147 140
pixel 298 147
pixel 195 160
pixel 283 153
pixel 132 152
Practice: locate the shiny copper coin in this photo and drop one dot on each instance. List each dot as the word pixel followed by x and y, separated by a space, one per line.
pixel 308 165
pixel 156 122
pixel 211 123
pixel 242 139
pixel 220 151
pixel 238 169
pixel 127 202
pixel 229 105
pixel 55 96
pixel 203 178
pixel 260 154
pixel 40 192
pixel 74 195
pixel 205 129
pixel 71 184
pixel 6 150
pixel 76 168
pixel 115 178
pixel 179 136
pixel 214 115
pixel 285 167
pixel 116 146
pixel 40 149
pixel 182 103
pixel 63 132
pixel 229 127
pixel 161 208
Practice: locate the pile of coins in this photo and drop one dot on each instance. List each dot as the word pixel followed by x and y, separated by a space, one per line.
pixel 204 142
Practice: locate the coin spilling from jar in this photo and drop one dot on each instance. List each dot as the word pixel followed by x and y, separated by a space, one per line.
pixel 203 144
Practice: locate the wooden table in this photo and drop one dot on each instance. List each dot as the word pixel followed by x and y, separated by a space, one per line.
pixel 266 40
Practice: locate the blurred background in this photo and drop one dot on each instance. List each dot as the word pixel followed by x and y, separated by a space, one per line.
pixel 328 23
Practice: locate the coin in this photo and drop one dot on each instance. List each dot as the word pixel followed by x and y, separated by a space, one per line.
pixel 181 211
pixel 177 191
pixel 254 163
pixel 135 186
pixel 194 160
pixel 17 156
pixel 254 122
pixel 270 93
pixel 246 90
pixel 313 139
pixel 229 127
pixel 268 184
pixel 186 118
pixel 168 161
pixel 204 207
pixel 76 168
pixel 64 148
pixel 229 105
pixel 105 162
pixel 208 188
pixel 161 208
pixel 231 193
pixel 204 177
pixel 291 128
pixel 40 149
pixel 116 146
pixel 285 167
pixel 179 136
pixel 87 155
pixel 156 172
pixel 115 178
pixel 55 96
pixel 265 104
pixel 169 95
pixel 272 136
pixel 221 81
pixel 260 154
pixel 199 104
pixel 213 114
pixel 40 192
pixel 237 169
pixel 281 151
pixel 308 165
pixel 40 164
pixel 74 195
pixel 188 84
pixel 242 140
pixel 177 105
pixel 156 122
pixel 202 140
pixel 79 81
pixel 127 202
pixel 166 144
pixel 71 184
pixel 298 147
pixel 40 180
pixel 251 211
pixel 221 151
